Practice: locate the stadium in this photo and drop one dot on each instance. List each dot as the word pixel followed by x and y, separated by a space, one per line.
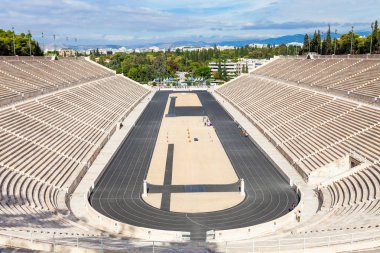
pixel 93 161
pixel 190 126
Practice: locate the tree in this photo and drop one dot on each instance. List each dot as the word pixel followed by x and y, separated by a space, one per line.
pixel 133 73
pixel 374 36
pixel 203 71
pixel 159 67
pixel 345 42
pixel 20 44
pixel 245 68
pixel 315 43
pixel 328 48
pixel 172 66
pixel 154 66
pixel 224 73
pixel 306 43
pixel 220 73
pixel 318 42
pixel 312 41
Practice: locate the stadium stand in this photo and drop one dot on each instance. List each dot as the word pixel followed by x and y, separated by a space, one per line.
pixel 306 125
pixel 313 128
pixel 49 141
pixel 355 76
pixel 349 204
pixel 56 115
pixel 25 77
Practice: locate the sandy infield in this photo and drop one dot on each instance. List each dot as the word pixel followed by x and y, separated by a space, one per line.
pixel 194 162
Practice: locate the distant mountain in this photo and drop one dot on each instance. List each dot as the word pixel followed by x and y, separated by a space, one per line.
pixel 183 43
pixel 236 43
pixel 80 47
pixel 240 43
pixel 278 40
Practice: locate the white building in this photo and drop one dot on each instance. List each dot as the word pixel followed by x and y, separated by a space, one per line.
pixel 190 48
pixel 120 50
pixel 154 49
pixel 297 44
pixel 195 48
pixel 231 67
pixel 234 69
pixel 106 51
pixel 67 52
pixel 222 48
pixel 257 45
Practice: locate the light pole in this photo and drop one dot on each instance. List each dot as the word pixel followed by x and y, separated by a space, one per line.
pixel 76 46
pixel 352 38
pixel 54 42
pixel 30 44
pixel 14 41
pixel 43 42
pixel 335 39
pixel 370 48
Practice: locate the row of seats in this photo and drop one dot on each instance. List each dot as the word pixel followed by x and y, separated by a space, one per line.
pixel 24 77
pixel 30 205
pixel 313 128
pixel 45 144
pixel 351 203
pixel 60 130
pixel 352 76
pixel 360 187
pixel 306 125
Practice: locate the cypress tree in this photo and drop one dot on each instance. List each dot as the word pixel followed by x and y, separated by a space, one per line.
pixel 219 70
pixel 318 42
pixel 306 42
pixel 315 42
pixel 374 35
pixel 328 49
pixel 224 72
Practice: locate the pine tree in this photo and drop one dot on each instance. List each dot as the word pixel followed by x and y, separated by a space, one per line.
pixel 374 35
pixel 37 49
pixel 224 74
pixel 306 43
pixel 328 49
pixel 219 70
pixel 315 43
pixel 318 42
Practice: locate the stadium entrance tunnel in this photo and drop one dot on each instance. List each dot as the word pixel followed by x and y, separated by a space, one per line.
pixel 117 196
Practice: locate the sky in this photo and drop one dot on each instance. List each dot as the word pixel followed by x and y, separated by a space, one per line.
pixel 132 22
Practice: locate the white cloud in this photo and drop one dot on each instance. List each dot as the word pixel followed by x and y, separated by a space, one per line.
pixel 76 4
pixel 111 37
pixel 125 21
